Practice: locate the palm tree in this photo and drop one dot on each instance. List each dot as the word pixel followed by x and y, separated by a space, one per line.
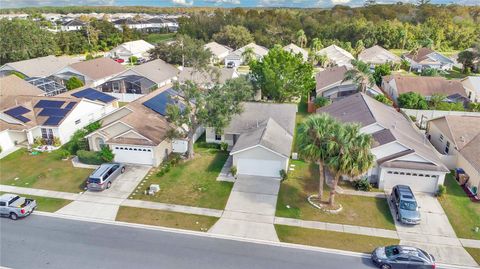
pixel 248 55
pixel 301 38
pixel 361 75
pixel 315 138
pixel 350 155
pixel 316 45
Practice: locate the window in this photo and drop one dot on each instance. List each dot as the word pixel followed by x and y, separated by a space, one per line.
pixel 218 137
pixel 47 133
pixel 447 147
pixel 441 137
pixel 2 203
pixel 77 122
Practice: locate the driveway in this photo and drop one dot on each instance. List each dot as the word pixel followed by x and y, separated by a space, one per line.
pixel 105 204
pixel 434 234
pixel 250 209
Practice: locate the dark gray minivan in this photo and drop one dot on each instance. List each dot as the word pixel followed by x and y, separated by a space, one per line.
pixel 405 204
pixel 104 175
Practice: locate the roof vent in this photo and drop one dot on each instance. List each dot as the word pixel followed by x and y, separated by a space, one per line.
pixel 462 139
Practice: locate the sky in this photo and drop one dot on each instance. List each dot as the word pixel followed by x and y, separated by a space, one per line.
pixel 212 3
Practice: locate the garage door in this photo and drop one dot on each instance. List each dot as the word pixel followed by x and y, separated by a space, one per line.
pixel 417 181
pixel 267 168
pixel 137 155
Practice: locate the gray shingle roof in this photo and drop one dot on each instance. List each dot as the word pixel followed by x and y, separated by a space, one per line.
pixel 42 66
pixel 378 55
pixel 156 70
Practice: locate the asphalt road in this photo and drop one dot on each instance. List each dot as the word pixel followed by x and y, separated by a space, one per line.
pixel 47 242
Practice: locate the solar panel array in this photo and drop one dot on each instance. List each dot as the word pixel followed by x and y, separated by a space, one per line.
pixel 53 110
pixel 17 113
pixel 49 103
pixel 160 102
pixel 94 95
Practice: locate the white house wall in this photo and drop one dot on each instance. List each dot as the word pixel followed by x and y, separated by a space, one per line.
pixel 474 174
pixel 387 150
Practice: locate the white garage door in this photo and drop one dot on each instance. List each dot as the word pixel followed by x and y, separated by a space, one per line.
pixel 417 182
pixel 267 168
pixel 138 155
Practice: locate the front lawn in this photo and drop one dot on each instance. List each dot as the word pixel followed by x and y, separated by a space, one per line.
pixel 357 210
pixel 475 253
pixel 192 182
pixel 46 204
pixel 329 239
pixel 165 218
pixel 43 171
pixel 462 213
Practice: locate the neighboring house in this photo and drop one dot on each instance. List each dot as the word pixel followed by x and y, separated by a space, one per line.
pixel 207 79
pixel 472 88
pixel 394 85
pixel 37 67
pixel 459 136
pixel 337 56
pixel 238 57
pixel 49 86
pixel 131 24
pixel 330 84
pixel 427 58
pixel 92 72
pixel 141 79
pixel 219 51
pixel 73 25
pixel 402 154
pixel 261 137
pixel 377 55
pixel 137 48
pixel 292 48
pixel 13 86
pixel 47 117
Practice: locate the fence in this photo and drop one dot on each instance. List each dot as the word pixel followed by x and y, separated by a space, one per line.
pixel 423 116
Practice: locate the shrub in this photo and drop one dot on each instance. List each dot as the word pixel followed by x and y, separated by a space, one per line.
pixel 160 173
pixel 64 154
pixel 321 101
pixel 174 159
pixel 362 185
pixel 133 60
pixel 90 157
pixel 441 190
pixel 56 142
pixel 1 149
pixel 106 154
pixel 18 74
pixel 39 141
pixel 382 98
pixel 283 175
pixel 73 83
pixel 77 142
pixel 92 127
pixel 88 57
pixel 413 118
pixel 223 146
pixel 167 167
pixel 233 170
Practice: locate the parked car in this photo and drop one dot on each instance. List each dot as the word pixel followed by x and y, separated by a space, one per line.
pixel 406 207
pixel 119 60
pixel 230 64
pixel 14 206
pixel 104 175
pixel 402 257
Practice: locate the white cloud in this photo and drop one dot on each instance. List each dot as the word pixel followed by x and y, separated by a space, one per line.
pixel 33 3
pixel 222 2
pixel 340 2
pixel 183 2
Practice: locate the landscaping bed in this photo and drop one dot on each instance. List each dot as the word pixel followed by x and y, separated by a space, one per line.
pixel 42 171
pixel 329 239
pixel 357 210
pixel 165 218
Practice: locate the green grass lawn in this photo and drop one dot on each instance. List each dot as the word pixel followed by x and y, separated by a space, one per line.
pixel 120 104
pixel 47 204
pixel 455 73
pixel 157 38
pixel 165 218
pixel 329 239
pixel 193 182
pixel 357 210
pixel 475 253
pixel 302 114
pixel 462 213
pixel 43 171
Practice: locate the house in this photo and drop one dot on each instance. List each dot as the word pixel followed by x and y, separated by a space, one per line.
pixel 37 67
pixel 471 85
pixel 238 57
pixel 140 79
pixel 49 86
pixel 459 136
pixel 131 24
pixel 72 25
pixel 13 86
pixel 394 85
pixel 403 155
pixel 337 56
pixel 137 48
pixel 377 55
pixel 92 72
pixel 427 58
pixel 292 48
pixel 219 51
pixel 207 79
pixel 30 117
pixel 330 84
pixel 137 133
pixel 261 138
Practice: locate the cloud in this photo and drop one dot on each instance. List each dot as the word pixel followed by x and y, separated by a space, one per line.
pixel 183 2
pixel 223 2
pixel 34 3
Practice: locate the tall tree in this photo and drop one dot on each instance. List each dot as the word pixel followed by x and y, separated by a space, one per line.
pixel 466 58
pixel 233 36
pixel 315 140
pixel 248 55
pixel 212 107
pixel 412 100
pixel 360 75
pixel 301 38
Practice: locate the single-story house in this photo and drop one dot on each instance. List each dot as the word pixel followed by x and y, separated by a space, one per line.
pixel 427 58
pixel 38 67
pixel 377 55
pixel 402 154
pixel 13 86
pixel 72 25
pixel 92 72
pixel 48 85
pixel 337 56
pixel 261 138
pixel 472 88
pixel 137 48
pixel 459 136
pixel 207 79
pixel 394 85
pixel 292 48
pixel 238 57
pixel 219 51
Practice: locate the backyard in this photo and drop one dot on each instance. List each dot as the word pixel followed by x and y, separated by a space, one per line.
pixel 192 182
pixel 42 171
pixel 463 214
pixel 357 210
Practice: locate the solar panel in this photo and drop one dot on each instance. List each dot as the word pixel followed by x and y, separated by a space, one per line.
pixel 53 120
pixel 49 103
pixel 70 105
pixel 19 110
pixel 57 112
pixel 92 94
pixel 106 98
pixel 22 118
pixel 160 102
pixel 83 93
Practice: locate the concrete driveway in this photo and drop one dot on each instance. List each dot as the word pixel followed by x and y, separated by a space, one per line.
pixel 105 204
pixel 250 209
pixel 434 234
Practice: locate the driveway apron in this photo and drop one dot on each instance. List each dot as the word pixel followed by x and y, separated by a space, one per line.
pixel 250 209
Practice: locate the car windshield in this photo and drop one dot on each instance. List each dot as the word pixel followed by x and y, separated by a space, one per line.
pixel 13 200
pixel 391 251
pixel 94 180
pixel 408 205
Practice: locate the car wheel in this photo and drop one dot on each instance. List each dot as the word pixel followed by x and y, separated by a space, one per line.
pixel 123 170
pixel 385 266
pixel 109 184
pixel 13 216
